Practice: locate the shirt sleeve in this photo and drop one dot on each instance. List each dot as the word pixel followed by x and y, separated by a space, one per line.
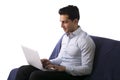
pixel 56 61
pixel 87 48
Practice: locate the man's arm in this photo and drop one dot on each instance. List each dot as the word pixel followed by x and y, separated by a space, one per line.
pixel 87 56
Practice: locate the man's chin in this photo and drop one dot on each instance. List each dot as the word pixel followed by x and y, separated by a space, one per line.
pixel 65 31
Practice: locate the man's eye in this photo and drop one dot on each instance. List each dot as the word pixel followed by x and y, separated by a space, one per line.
pixel 66 22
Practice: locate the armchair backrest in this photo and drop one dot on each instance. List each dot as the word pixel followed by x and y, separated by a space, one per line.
pixel 107 55
pixel 56 50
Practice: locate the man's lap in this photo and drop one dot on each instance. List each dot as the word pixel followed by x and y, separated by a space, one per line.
pixel 31 73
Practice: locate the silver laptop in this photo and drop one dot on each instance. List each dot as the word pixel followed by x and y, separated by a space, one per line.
pixel 33 58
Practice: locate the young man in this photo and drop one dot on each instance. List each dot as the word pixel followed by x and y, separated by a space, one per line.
pixel 76 55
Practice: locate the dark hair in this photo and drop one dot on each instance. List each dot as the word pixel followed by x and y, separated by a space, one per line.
pixel 71 11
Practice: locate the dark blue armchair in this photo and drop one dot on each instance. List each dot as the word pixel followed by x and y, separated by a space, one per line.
pixel 106 63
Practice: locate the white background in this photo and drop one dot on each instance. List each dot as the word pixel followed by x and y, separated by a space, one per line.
pixel 35 24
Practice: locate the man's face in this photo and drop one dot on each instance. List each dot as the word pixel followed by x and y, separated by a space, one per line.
pixel 67 24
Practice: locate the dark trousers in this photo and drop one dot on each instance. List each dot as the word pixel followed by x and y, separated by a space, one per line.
pixel 31 73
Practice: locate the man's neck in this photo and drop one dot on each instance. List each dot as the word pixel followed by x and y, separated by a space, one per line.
pixel 73 30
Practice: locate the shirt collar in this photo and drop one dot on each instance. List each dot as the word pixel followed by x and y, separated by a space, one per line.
pixel 76 32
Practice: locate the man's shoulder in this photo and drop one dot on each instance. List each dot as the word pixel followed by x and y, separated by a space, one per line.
pixel 85 39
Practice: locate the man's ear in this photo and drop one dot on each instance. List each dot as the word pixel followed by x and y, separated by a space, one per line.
pixel 75 20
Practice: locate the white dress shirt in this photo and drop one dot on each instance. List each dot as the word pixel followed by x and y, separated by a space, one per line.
pixel 77 53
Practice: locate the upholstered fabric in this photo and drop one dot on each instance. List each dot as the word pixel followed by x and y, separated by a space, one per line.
pixel 12 74
pixel 107 57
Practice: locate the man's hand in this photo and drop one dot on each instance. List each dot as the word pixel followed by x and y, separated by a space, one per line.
pixel 45 62
pixel 56 67
pixel 48 65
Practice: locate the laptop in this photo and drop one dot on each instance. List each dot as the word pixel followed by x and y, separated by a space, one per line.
pixel 33 58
